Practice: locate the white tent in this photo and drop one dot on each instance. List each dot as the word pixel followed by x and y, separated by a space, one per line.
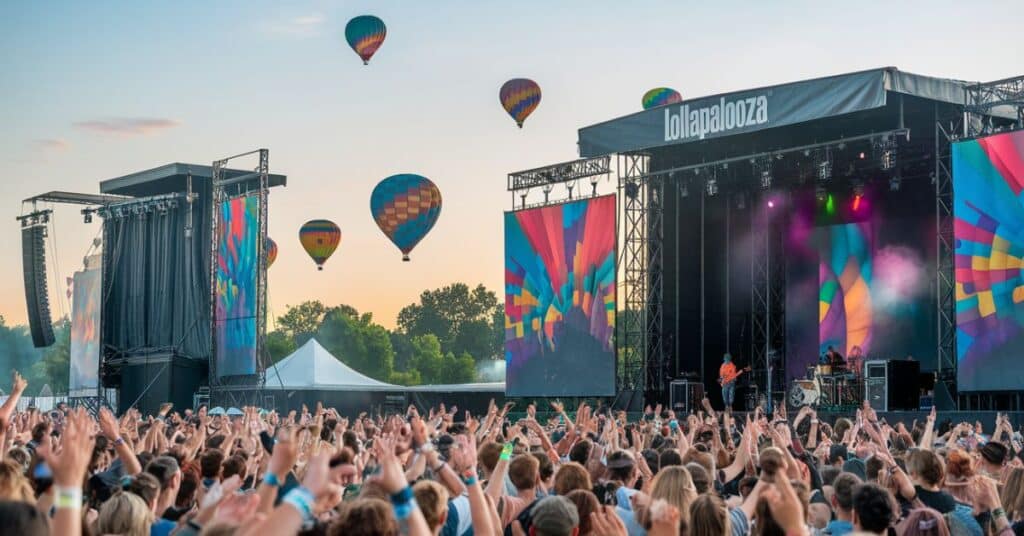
pixel 313 367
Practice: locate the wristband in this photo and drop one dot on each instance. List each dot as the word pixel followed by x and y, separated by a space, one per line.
pixel 998 512
pixel 402 497
pixel 271 480
pixel 469 477
pixel 506 452
pixel 70 498
pixel 404 510
pixel 439 467
pixel 302 500
pixel 119 441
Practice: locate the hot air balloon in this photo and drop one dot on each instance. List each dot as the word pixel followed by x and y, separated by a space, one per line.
pixel 520 97
pixel 320 238
pixel 660 96
pixel 271 252
pixel 405 208
pixel 365 34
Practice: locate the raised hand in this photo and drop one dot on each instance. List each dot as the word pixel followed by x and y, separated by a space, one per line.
pixel 559 407
pixel 286 451
pixel 606 522
pixel 18 383
pixel 108 424
pixel 785 506
pixel 70 466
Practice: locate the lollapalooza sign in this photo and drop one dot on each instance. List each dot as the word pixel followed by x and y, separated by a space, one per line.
pixel 687 123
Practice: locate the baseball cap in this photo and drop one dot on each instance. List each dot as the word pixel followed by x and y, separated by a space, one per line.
pixel 555 516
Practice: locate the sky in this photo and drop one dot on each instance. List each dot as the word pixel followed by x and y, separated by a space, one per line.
pixel 95 90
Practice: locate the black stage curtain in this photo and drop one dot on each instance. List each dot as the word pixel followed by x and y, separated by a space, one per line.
pixel 157 283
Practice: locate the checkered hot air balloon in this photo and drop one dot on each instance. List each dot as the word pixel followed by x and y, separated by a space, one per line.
pixel 405 208
pixel 660 96
pixel 520 97
pixel 320 238
pixel 365 34
pixel 271 252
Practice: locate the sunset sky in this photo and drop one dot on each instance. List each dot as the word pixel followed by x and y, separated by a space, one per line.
pixel 94 90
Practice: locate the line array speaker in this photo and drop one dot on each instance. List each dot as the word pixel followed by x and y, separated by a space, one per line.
pixel 33 257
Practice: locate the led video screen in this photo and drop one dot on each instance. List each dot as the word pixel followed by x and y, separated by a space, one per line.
pixel 988 212
pixel 85 332
pixel 560 299
pixel 871 272
pixel 236 280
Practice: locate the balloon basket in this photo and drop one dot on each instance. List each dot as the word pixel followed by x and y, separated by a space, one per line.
pixel 405 258
pixel 319 268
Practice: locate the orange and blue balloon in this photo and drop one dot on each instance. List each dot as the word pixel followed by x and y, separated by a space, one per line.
pixel 271 252
pixel 660 96
pixel 520 97
pixel 320 238
pixel 365 34
pixel 405 208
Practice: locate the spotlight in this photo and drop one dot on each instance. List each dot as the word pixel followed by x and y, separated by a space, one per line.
pixel 632 190
pixel 856 203
pixel 88 217
pixel 861 155
pixel 766 179
pixel 820 194
pixel 858 189
pixel 771 203
pixel 684 191
pixel 712 187
pixel 894 183
pixel 824 170
pixel 46 217
pixel 741 201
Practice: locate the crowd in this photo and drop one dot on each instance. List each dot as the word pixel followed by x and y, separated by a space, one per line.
pixel 593 472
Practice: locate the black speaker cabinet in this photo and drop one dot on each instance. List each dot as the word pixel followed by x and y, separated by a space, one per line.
pixel 893 385
pixel 147 382
pixel 685 395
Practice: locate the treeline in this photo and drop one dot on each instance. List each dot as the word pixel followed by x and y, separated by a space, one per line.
pixel 439 340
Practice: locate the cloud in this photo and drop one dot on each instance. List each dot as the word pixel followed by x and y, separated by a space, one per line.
pixel 301 26
pixel 128 126
pixel 51 144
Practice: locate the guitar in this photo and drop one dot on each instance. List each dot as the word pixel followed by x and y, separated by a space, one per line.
pixel 738 374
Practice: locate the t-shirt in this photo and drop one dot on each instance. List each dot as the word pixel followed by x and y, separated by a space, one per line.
pixel 459 521
pixel 628 517
pixel 510 507
pixel 162 527
pixel 740 523
pixel 937 500
pixel 838 527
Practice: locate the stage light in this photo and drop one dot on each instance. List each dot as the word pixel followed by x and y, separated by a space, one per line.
pixel 88 217
pixel 766 180
pixel 824 170
pixel 861 155
pixel 632 190
pixel 684 191
pixel 771 203
pixel 741 201
pixel 894 183
pixel 856 202
pixel 712 187
pixel 46 217
pixel 820 194
pixel 830 206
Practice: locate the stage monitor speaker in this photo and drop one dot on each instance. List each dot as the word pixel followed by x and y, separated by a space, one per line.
pixel 892 385
pixel 685 396
pixel 33 264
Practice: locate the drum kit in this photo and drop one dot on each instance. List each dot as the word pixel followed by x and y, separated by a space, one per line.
pixel 826 385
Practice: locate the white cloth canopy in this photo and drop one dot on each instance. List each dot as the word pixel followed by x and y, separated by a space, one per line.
pixel 313 367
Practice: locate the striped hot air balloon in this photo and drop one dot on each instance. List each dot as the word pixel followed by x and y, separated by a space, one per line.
pixel 271 252
pixel 405 208
pixel 320 238
pixel 660 96
pixel 365 34
pixel 520 97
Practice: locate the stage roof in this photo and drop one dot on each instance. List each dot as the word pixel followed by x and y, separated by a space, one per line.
pixel 752 110
pixel 171 178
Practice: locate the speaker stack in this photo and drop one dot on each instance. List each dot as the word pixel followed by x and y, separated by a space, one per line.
pixel 33 259
pixel 685 395
pixel 892 385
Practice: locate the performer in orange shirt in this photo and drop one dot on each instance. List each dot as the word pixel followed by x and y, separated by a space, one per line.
pixel 727 375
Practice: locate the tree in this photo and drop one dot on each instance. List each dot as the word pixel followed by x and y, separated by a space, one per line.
pixel 427 358
pixel 55 366
pixel 458 369
pixel 302 321
pixel 17 353
pixel 279 345
pixel 465 321
pixel 358 342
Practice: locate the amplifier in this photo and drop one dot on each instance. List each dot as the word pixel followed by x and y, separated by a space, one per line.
pixel 892 385
pixel 685 396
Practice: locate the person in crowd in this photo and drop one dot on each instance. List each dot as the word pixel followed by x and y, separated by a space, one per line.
pixel 592 471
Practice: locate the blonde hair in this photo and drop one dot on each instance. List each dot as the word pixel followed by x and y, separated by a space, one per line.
pixel 14 486
pixel 1013 495
pixel 675 486
pixel 125 514
pixel 432 500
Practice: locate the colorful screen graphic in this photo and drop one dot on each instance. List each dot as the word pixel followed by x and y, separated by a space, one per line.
pixel 560 299
pixel 988 178
pixel 85 332
pixel 236 276
pixel 870 266
pixel 844 294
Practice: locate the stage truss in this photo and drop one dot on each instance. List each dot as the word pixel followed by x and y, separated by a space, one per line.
pixel 240 390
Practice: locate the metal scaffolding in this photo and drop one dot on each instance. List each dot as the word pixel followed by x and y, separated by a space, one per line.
pixel 982 99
